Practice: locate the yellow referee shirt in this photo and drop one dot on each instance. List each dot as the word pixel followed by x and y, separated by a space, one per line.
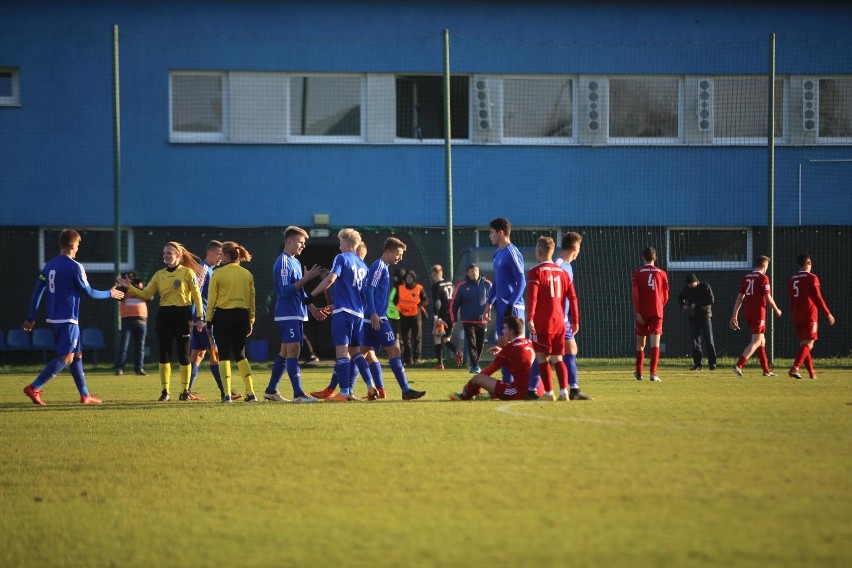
pixel 231 286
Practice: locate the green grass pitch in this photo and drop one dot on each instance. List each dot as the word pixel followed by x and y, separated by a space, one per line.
pixel 703 469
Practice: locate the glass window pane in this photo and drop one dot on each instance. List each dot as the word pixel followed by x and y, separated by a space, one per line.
pixel 420 107
pixel 741 110
pixel 537 108
pixel 6 84
pixel 643 107
pixel 835 107
pixel 197 103
pixel 709 245
pixel 325 106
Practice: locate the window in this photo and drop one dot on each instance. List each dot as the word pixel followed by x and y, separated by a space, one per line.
pixel 741 109
pixel 835 107
pixel 325 106
pixel 710 248
pixel 198 106
pixel 97 249
pixel 538 108
pixel 420 107
pixel 644 108
pixel 9 94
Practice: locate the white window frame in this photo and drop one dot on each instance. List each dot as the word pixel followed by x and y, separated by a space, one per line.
pixel 15 98
pixel 200 137
pixel 829 140
pixel 753 140
pixel 47 250
pixel 545 141
pixel 314 139
pixel 643 141
pixel 710 264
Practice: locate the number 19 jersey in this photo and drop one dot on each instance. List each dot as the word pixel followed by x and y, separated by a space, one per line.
pixel 349 285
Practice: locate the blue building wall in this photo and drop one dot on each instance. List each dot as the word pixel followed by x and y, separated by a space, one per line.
pixel 58 147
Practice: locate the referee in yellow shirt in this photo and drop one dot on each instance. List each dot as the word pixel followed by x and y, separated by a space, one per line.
pixel 230 313
pixel 177 286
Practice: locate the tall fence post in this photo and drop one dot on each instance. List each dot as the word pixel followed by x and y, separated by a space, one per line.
pixel 770 144
pixel 116 167
pixel 448 157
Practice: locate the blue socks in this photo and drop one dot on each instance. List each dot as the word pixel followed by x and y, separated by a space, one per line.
pixel 376 373
pixel 571 364
pixel 214 368
pixel 51 370
pixel 294 372
pixel 193 374
pixel 364 368
pixel 341 369
pixel 399 372
pixel 277 372
pixel 76 368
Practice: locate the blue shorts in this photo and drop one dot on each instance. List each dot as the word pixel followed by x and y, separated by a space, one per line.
pixel 200 340
pixel 501 310
pixel 291 331
pixel 375 340
pixel 67 336
pixel 568 334
pixel 346 329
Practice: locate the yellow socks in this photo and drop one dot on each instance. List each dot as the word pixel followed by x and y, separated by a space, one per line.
pixel 225 371
pixel 165 375
pixel 245 371
pixel 185 373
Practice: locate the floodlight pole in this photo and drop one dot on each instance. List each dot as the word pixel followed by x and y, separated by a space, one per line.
pixel 116 167
pixel 448 157
pixel 770 144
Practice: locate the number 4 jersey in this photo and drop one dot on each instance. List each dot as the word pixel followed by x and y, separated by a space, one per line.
pixel 650 291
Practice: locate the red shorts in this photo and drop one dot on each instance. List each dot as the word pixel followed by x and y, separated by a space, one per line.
pixel 653 326
pixel 756 325
pixel 509 391
pixel 549 344
pixel 806 331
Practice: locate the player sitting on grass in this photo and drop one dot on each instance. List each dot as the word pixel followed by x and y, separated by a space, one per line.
pixel 516 356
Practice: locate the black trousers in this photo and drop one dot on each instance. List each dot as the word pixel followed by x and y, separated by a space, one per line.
pixel 173 329
pixel 474 334
pixel 702 328
pixel 410 338
pixel 230 329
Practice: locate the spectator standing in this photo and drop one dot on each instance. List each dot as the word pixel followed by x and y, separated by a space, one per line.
pixel 467 306
pixel 134 328
pixel 411 303
pixel 442 322
pixel 696 299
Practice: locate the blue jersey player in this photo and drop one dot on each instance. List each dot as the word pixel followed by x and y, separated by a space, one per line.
pixel 377 328
pixel 64 280
pixel 507 294
pixel 201 341
pixel 291 311
pixel 347 274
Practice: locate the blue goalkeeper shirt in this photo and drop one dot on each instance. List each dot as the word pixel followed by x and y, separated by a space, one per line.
pixel 65 280
pixel 509 279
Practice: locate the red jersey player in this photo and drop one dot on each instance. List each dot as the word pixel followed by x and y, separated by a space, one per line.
pixel 756 294
pixel 548 286
pixel 805 301
pixel 650 294
pixel 516 356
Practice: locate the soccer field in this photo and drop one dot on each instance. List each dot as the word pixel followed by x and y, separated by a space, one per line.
pixel 703 469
